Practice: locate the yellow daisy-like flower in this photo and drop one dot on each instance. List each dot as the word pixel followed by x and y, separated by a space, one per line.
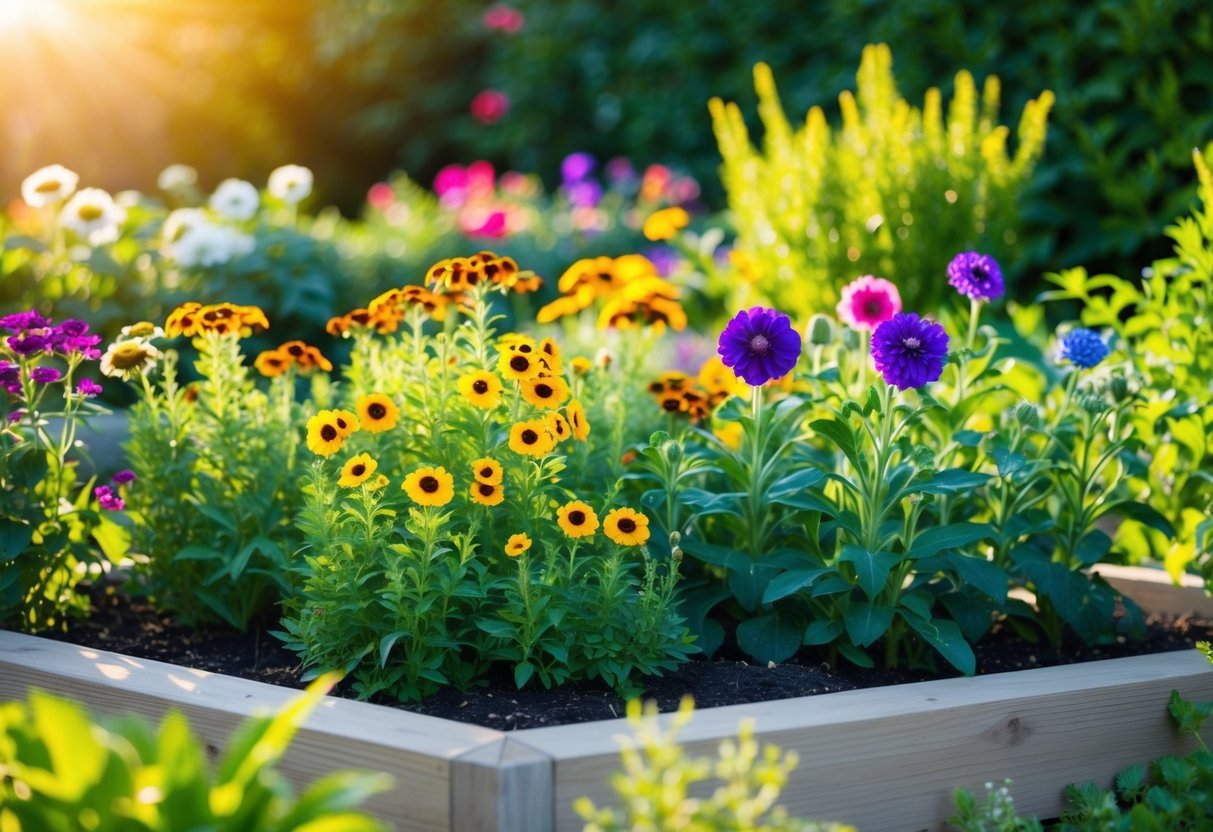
pixel 577 519
pixel 345 421
pixel 517 544
pixel 323 435
pixel 546 392
pixel 378 483
pixel 664 224
pixel 430 486
pixel 532 438
pixel 487 494
pixel 581 365
pixel 487 470
pixel 730 434
pixel 273 363
pixel 481 388
pixel 575 413
pixel 550 352
pixel 626 527
pixel 516 342
pixel 357 471
pixel 559 426
pixel 519 366
pixel 377 413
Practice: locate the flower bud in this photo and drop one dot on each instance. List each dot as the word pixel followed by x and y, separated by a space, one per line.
pixel 1119 385
pixel 821 330
pixel 1027 414
pixel 675 538
pixel 676 554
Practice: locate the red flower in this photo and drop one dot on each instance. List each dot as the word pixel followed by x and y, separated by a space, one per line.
pixel 490 106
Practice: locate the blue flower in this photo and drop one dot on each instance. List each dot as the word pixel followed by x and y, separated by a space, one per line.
pixel 977 276
pixel 759 344
pixel 1083 348
pixel 909 351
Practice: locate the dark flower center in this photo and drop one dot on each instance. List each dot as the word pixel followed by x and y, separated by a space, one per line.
pixel 328 433
pixel 671 405
pixel 523 348
pixel 544 391
pixel 576 517
pixel 341 423
pixel 520 363
pixel 295 350
pixel 759 344
pixel 376 411
pixel 529 437
pixel 358 470
pixel 486 490
pixel 872 307
pixel 980 274
pixel 627 525
pixel 486 471
pixel 428 484
pixel 912 343
pixel 480 386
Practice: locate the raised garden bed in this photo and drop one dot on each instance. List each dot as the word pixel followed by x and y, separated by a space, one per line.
pixel 884 758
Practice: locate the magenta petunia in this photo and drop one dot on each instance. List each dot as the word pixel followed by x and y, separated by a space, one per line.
pixel 867 302
pixel 88 387
pixel 909 351
pixel 107 499
pixel 759 344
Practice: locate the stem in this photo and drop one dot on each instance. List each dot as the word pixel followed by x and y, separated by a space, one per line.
pixel 962 366
pixel 756 479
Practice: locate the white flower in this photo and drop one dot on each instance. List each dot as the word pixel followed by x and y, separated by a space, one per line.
pixel 93 215
pixel 126 359
pixel 142 331
pixel 180 221
pixel 290 183
pixel 235 199
pixel 176 177
pixel 209 245
pixel 53 183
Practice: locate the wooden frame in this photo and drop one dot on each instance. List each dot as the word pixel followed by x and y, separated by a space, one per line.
pixel 886 758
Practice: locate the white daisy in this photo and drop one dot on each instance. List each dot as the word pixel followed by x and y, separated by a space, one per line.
pixel 177 177
pixel 291 184
pixel 235 199
pixel 53 183
pixel 209 245
pixel 93 215
pixel 180 221
pixel 128 358
pixel 142 331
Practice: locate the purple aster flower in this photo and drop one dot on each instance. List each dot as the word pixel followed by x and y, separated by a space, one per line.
pixel 73 336
pixel 10 376
pixel 1083 348
pixel 88 387
pixel 19 322
pixel 576 167
pixel 123 477
pixel 108 499
pixel 760 345
pixel 976 276
pixel 45 375
pixel 908 350
pixel 28 343
pixel 16 416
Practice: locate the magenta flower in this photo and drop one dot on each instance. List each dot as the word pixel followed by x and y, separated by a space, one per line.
pixel 19 322
pixel 88 387
pixel 123 477
pixel 759 344
pixel 576 167
pixel 45 375
pixel 380 196
pixel 504 18
pixel 490 106
pixel 909 351
pixel 10 376
pixel 107 499
pixel 867 302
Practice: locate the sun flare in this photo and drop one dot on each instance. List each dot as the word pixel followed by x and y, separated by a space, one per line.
pixel 16 15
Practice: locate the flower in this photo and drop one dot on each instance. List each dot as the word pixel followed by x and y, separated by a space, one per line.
pixel 192 319
pixel 486 494
pixel 87 387
pixel 324 437
pixel 206 244
pixel 235 200
pixel 1083 348
pixel 559 426
pixel 487 470
pixel 503 17
pixel 93 215
pixel 976 276
pixel 357 470
pixel 546 392
pixel 128 358
pixel 377 413
pixel 20 322
pixel 626 527
pixel 489 106
pixel 532 438
pixel 45 375
pixel 575 413
pixel 73 336
pixel 576 167
pixel 142 329
pixel 124 477
pixel 759 345
pixel 519 366
pixel 430 486
pixel 290 183
pixel 107 499
pixel 581 365
pixel 664 224
pixel 867 302
pixel 345 422
pixel 908 350
pixel 53 183
pixel 177 177
pixel 271 363
pixel 517 544
pixel 576 519
pixel 10 376
pixel 481 388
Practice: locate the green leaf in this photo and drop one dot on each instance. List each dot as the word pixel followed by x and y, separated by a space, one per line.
pixel 723 556
pixel 65 730
pixel 101 262
pixel 946 638
pixel 949 481
pixel 1142 513
pixel 791 582
pixel 972 571
pixel 196 551
pixel 29 243
pixel 1093 546
pixel 1190 716
pixel 113 540
pixel 840 434
pixel 866 623
pixel 954 535
pixel 387 643
pixel 523 671
pixel 822 631
pixel 855 655
pixel 774 636
pixel 14 538
pixel 748 585
pixel 871 568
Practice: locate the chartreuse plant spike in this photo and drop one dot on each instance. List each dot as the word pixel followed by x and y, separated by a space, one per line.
pixel 60 769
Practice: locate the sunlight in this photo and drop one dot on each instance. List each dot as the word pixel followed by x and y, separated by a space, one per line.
pixel 33 14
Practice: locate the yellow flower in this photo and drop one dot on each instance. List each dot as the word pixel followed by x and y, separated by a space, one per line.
pixel 550 353
pixel 430 486
pixel 581 365
pixel 531 438
pixel 487 494
pixel 323 435
pixel 663 224
pixel 517 544
pixel 516 342
pixel 519 366
pixel 357 471
pixel 575 413
pixel 626 527
pixel 345 421
pixel 481 388
pixel 377 412
pixel 272 363
pixel 730 434
pixel 559 426
pixel 487 470
pixel 379 482
pixel 576 519
pixel 546 392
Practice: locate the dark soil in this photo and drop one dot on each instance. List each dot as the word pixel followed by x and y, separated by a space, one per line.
pixel 133 627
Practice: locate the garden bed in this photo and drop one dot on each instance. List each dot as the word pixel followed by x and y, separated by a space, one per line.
pixel 885 758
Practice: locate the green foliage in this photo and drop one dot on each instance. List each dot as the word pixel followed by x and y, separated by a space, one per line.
pixel 895 191
pixel 64 770
pixel 995 814
pixel 658 777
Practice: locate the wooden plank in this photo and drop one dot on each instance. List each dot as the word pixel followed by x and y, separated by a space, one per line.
pixel 1154 591
pixel 502 787
pixel 340 734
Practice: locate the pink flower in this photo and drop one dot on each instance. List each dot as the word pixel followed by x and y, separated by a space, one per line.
pixel 490 106
pixel 107 499
pixel 867 302
pixel 505 18
pixel 482 223
pixel 380 196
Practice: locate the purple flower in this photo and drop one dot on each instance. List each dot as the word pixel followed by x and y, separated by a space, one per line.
pixel 1083 348
pixel 908 350
pixel 666 259
pixel 88 387
pixel 45 375
pixel 123 477
pixel 576 167
pixel 585 194
pixel 108 499
pixel 19 322
pixel 976 276
pixel 620 169
pixel 28 343
pixel 73 336
pixel 759 344
pixel 10 376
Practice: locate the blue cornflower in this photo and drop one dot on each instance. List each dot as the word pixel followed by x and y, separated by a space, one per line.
pixel 976 276
pixel 909 350
pixel 1083 348
pixel 759 344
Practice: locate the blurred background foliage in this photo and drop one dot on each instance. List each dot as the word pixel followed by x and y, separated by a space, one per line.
pixel 117 89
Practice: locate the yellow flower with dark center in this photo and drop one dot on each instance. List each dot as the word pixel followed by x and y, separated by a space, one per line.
pixel 342 324
pixel 626 527
pixel 516 342
pixel 377 413
pixel 518 366
pixel 547 391
pixel 551 356
pixel 357 470
pixel 430 486
pixel 517 544
pixel 673 403
pixel 559 426
pixel 564 306
pixel 531 438
pixel 581 365
pixel 487 494
pixel 664 224
pixel 272 363
pixel 575 413
pixel 487 470
pixel 345 421
pixel 481 388
pixel 181 321
pixel 577 519
pixel 378 483
pixel 323 435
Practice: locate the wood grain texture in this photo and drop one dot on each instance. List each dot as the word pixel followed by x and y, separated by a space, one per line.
pixel 1153 589
pixel 505 786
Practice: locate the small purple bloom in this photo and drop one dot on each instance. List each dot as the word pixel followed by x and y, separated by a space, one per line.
pixel 620 169
pixel 909 351
pixel 976 276
pixel 1083 348
pixel 123 477
pixel 45 375
pixel 10 377
pixel 88 387
pixel 576 167
pixel 585 194
pixel 759 344
pixel 72 336
pixel 666 259
pixel 108 499
pixel 16 416
pixel 29 343
pixel 19 322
